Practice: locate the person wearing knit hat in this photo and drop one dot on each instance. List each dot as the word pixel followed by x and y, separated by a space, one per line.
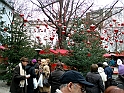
pixel 34 60
pixel 105 64
pixel 108 71
pixel 121 69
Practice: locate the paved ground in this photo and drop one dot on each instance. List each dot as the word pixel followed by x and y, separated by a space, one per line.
pixel 3 87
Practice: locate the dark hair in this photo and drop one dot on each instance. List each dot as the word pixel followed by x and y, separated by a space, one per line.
pixel 59 65
pixel 100 64
pixel 113 89
pixel 24 59
pixel 94 68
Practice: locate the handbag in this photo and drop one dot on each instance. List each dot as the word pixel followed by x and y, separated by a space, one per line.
pixel 35 83
pixel 46 82
pixel 40 81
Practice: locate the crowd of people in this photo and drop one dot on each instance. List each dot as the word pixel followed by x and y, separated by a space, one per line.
pixel 35 76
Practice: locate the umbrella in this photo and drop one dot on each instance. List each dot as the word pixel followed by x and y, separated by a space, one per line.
pixel 2 47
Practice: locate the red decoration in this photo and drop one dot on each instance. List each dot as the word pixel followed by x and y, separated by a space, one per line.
pixel 21 15
pixel 51 38
pixel 92 27
pixel 89 55
pixel 116 30
pixel 88 30
pixel 116 40
pixel 102 38
pixel 37 26
pixel 122 32
pixel 105 31
pixel 69 35
pixel 122 24
pixel 121 41
pixel 5 29
pixel 110 25
pixel 63 32
pixel 111 43
pixel 37 37
pixel 114 20
pixel 25 20
pixel 46 25
pixel 106 46
pixel 88 42
pixel 24 24
pixel 106 39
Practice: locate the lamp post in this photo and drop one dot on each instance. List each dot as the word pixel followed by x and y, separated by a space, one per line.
pixel 37 50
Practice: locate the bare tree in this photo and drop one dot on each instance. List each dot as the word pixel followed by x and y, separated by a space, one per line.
pixel 62 12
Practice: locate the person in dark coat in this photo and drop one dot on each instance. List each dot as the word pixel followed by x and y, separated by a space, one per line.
pixel 18 84
pixel 94 77
pixel 54 77
pixel 120 79
pixel 109 72
pixel 30 69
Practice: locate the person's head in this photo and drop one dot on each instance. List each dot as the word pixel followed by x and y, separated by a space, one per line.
pixel 113 89
pixel 100 64
pixel 105 64
pixel 121 69
pixel 94 68
pixel 24 61
pixel 48 60
pixel 59 65
pixel 39 60
pixel 73 82
pixel 33 61
pixel 43 62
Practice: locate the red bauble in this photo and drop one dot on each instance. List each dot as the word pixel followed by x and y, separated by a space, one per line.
pixel 25 20
pixel 63 32
pixel 89 55
pixel 92 27
pixel 110 25
pixel 114 20
pixel 88 30
pixel 21 15
pixel 121 41
pixel 102 38
pixel 5 29
pixel 106 46
pixel 51 38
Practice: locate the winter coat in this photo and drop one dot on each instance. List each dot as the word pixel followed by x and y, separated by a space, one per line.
pixel 15 84
pixel 94 78
pixel 54 79
pixel 102 74
pixel 108 71
pixel 30 70
pixel 46 73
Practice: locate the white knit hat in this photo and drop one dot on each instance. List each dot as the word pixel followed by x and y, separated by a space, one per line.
pixel 105 64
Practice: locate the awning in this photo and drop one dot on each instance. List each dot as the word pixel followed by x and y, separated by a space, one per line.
pixel 2 47
pixel 57 51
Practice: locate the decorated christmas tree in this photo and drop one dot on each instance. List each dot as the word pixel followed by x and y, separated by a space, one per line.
pixel 84 44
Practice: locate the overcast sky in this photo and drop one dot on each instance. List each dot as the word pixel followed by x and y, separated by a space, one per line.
pixel 99 4
pixel 102 3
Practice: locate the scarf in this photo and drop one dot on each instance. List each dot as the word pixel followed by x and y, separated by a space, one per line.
pixel 23 73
